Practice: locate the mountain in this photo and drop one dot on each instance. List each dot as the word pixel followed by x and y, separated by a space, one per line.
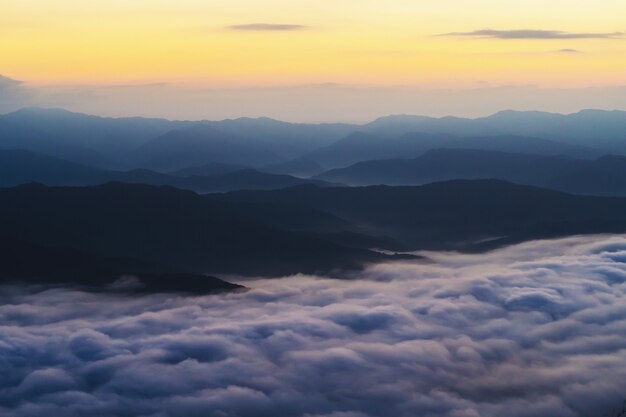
pixel 19 167
pixel 178 230
pixel 601 176
pixel 361 146
pixel 300 167
pixel 588 128
pixel 82 138
pixel 460 215
pixel 209 169
pixel 247 179
pixel 243 142
pixel 395 125
pixel 35 264
pixel 114 142
pixel 200 145
pixel 287 140
pixel 299 149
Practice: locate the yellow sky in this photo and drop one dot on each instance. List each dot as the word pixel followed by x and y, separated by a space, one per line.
pixel 362 42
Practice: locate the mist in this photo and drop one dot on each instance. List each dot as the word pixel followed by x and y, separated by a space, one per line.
pixel 304 103
pixel 536 329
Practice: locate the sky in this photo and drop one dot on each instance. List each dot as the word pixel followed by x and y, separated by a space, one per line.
pixel 83 55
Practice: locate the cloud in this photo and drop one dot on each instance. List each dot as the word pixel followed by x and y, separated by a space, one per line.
pixel 533 34
pixel 6 82
pixel 267 27
pixel 537 329
pixel 13 94
pixel 569 51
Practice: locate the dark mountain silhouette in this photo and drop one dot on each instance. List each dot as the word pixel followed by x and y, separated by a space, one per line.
pixel 359 147
pixel 602 176
pixel 177 229
pixel 455 214
pixel 247 179
pixel 297 218
pixel 35 264
pixel 19 167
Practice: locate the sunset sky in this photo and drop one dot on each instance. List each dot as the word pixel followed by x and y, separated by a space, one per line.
pixel 444 44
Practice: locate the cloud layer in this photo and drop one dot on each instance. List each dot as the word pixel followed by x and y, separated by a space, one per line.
pixel 533 34
pixel 267 27
pixel 538 329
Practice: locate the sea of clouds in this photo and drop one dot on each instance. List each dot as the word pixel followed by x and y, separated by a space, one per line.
pixel 536 329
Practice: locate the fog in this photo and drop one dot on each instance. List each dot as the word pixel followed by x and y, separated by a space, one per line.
pixel 536 329
pixel 304 103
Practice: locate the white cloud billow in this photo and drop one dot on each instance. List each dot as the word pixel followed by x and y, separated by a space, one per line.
pixel 537 329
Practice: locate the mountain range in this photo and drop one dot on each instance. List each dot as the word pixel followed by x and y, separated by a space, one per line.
pixel 89 199
pixel 140 229
pixel 453 215
pixel 605 175
pixel 20 167
pixel 300 149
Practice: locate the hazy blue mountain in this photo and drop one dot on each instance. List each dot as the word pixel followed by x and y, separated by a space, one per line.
pixel 199 145
pixel 588 128
pixel 288 140
pixel 455 214
pixel 109 142
pixel 80 137
pixel 300 149
pixel 243 142
pixel 300 167
pixel 395 125
pixel 360 146
pixel 177 229
pixel 602 176
pixel 19 167
pixel 207 170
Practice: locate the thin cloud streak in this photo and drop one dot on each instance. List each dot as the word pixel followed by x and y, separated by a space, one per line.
pixel 264 27
pixel 532 34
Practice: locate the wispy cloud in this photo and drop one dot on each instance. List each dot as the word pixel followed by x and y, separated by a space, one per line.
pixel 569 51
pixel 14 94
pixel 6 82
pixel 533 34
pixel 271 27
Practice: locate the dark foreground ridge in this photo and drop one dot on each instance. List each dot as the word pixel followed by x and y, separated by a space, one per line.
pixel 170 229
pixel 454 215
pixel 35 264
pixel 128 229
